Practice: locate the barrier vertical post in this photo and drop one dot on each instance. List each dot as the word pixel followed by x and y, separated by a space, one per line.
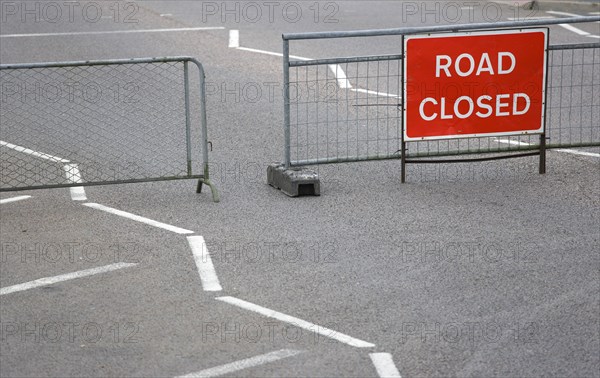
pixel 188 141
pixel 286 101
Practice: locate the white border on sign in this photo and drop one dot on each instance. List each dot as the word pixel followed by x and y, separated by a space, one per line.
pixel 538 131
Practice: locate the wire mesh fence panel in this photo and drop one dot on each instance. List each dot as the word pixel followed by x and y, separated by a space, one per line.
pixel 573 112
pixel 349 109
pixel 94 124
pixel 333 117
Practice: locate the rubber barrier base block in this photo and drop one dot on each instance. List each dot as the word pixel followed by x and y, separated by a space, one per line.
pixel 294 182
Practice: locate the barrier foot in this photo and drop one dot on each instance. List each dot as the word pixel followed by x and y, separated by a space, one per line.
pixel 213 189
pixel 294 182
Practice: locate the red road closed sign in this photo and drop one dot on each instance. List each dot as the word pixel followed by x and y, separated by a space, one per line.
pixel 474 84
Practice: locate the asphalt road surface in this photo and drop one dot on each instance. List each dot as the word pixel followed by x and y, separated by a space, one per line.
pixel 480 270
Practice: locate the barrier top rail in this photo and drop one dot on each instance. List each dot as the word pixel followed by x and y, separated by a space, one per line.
pixel 104 62
pixel 437 28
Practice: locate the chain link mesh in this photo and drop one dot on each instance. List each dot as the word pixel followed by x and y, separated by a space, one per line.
pixel 93 124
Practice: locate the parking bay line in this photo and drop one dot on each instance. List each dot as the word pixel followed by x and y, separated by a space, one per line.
pixel 138 218
pixel 63 277
pixel 13 199
pixel 297 322
pixel 243 364
pixel 111 32
pixel 384 364
pixel 206 269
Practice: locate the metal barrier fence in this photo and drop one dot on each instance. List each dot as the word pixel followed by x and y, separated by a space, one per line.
pixel 102 122
pixel 349 109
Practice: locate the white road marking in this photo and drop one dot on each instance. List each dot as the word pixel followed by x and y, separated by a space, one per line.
pixel 564 150
pixel 382 94
pixel 340 75
pixel 74 176
pixel 40 155
pixel 337 70
pixel 243 364
pixel 270 53
pixel 206 269
pixel 234 39
pixel 563 14
pixel 111 32
pixel 513 142
pixel 575 152
pixel 384 364
pixel 138 218
pixel 166 14
pixel 526 18
pixel 594 13
pixel 574 29
pixel 13 199
pixel 63 277
pixel 571 27
pixel 297 322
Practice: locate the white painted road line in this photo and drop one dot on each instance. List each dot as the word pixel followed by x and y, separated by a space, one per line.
pixel 381 94
pixel 571 27
pixel 512 142
pixel 138 218
pixel 234 39
pixel 208 275
pixel 74 176
pixel 37 154
pixel 63 277
pixel 563 14
pixel 297 322
pixel 270 53
pixel 340 75
pixel 528 18
pixel 575 152
pixel 13 199
pixel 244 364
pixel 111 32
pixel 384 364
pixel 574 29
pixel 564 150
pixel 337 70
